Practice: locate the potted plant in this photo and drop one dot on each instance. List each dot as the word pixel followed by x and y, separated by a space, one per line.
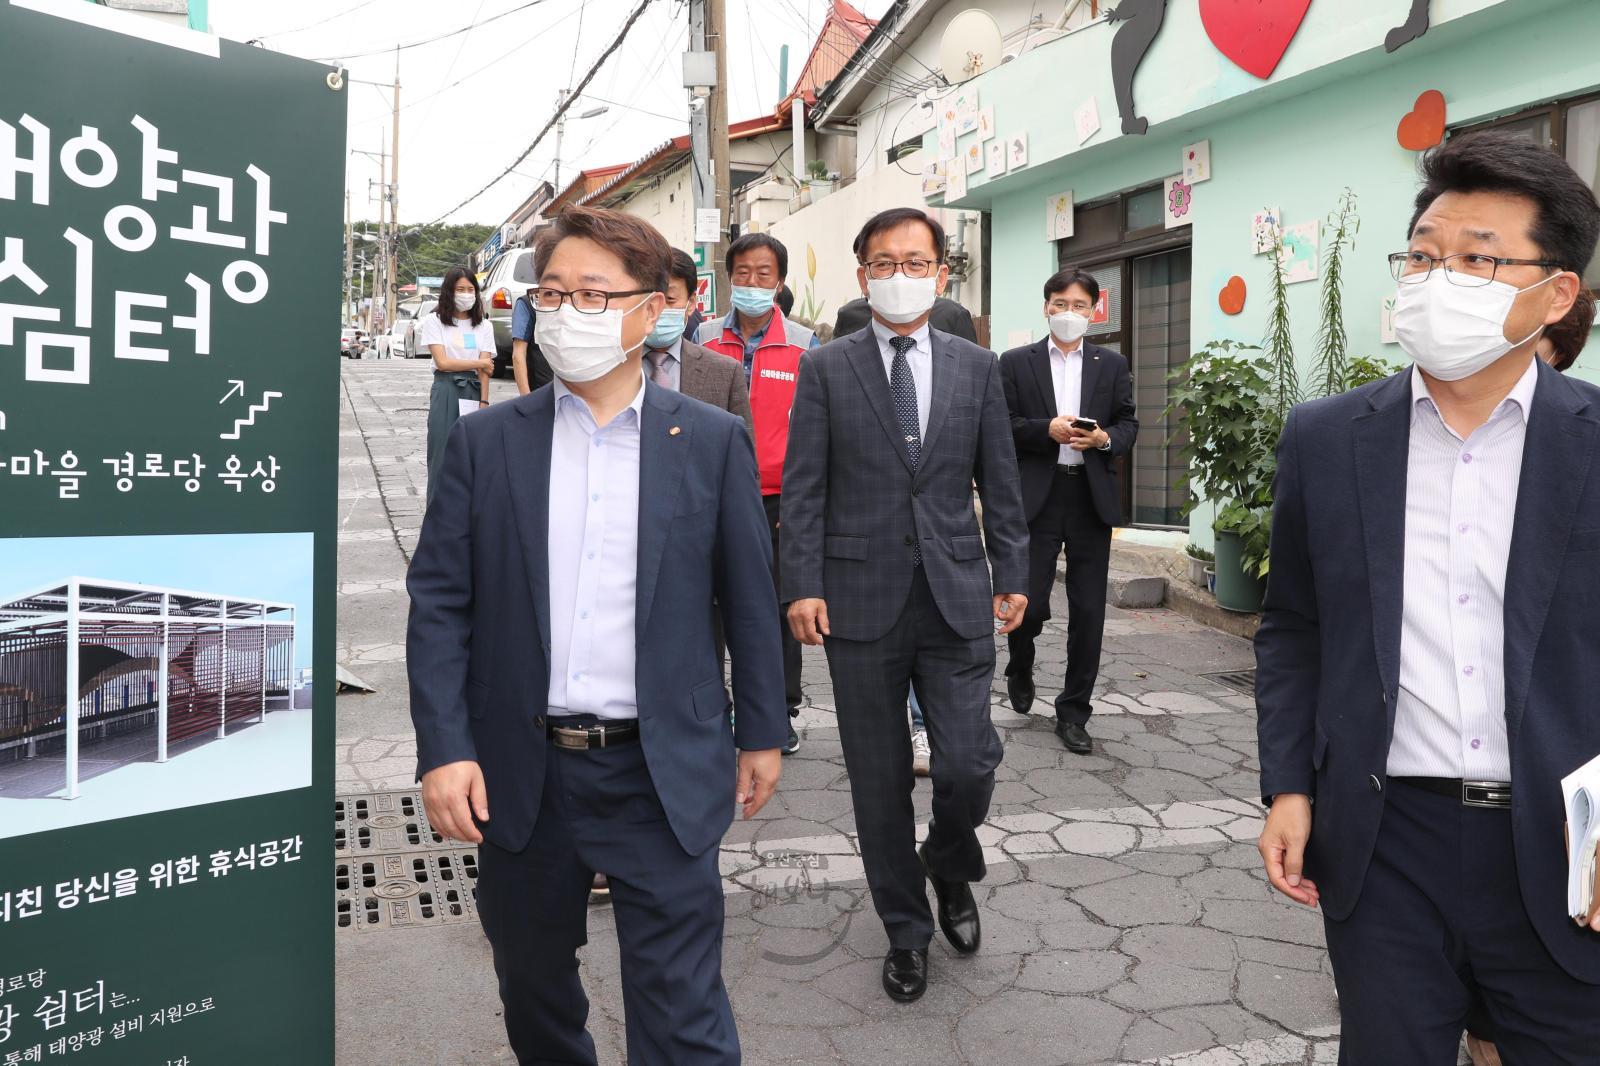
pixel 1199 561
pixel 1224 402
pixel 819 181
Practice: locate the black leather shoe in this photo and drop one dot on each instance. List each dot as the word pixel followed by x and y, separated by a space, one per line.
pixel 958 911
pixel 905 974
pixel 1020 688
pixel 1075 737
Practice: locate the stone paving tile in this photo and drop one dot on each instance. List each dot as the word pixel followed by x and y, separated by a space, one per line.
pixel 1125 917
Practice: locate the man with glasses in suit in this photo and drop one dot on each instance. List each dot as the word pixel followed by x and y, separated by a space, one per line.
pixel 884 566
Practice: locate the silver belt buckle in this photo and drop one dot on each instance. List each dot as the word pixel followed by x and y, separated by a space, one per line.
pixel 577 739
pixel 1491 794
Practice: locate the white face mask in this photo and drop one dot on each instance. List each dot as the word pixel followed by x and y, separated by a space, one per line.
pixel 899 299
pixel 1068 326
pixel 582 347
pixel 465 300
pixel 1453 331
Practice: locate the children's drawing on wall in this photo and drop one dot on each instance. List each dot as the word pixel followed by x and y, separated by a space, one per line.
pixel 1299 252
pixel 1264 225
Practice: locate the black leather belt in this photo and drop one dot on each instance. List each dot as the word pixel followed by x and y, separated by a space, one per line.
pixel 1495 794
pixel 1073 470
pixel 584 737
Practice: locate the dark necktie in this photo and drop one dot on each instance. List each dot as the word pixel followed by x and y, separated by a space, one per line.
pixel 659 372
pixel 904 390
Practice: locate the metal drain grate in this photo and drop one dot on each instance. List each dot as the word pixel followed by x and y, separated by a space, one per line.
pixel 381 823
pixel 405 890
pixel 391 869
pixel 1239 680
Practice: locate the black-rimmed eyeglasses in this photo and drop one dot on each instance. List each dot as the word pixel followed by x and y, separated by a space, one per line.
pixel 586 301
pixel 878 269
pixel 1464 268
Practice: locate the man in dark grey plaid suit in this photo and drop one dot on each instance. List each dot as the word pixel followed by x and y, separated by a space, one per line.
pixel 882 558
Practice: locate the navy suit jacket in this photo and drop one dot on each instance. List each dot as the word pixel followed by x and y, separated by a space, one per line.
pixel 1107 397
pixel 478 643
pixel 1328 652
pixel 852 503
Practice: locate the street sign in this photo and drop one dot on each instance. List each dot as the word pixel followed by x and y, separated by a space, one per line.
pixel 168 483
pixel 432 283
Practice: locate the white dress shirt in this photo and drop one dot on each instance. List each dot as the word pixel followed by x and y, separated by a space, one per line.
pixel 1461 501
pixel 594 558
pixel 1066 373
pixel 921 360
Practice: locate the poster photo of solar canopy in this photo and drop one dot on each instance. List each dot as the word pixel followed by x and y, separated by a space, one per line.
pixel 142 674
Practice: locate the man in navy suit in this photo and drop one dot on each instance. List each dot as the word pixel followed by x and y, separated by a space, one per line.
pixel 884 566
pixel 1428 656
pixel 1072 415
pixel 563 667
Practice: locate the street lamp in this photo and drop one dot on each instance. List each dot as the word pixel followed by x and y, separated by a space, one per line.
pixel 561 127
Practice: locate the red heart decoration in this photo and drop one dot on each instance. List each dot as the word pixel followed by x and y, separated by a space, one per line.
pixel 1423 126
pixel 1231 298
pixel 1254 34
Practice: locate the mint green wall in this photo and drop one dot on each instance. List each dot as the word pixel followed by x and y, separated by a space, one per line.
pixel 1293 145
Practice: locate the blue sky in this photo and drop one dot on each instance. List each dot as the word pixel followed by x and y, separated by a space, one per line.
pixel 269 566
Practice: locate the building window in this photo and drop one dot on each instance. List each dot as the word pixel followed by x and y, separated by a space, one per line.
pixel 1571 127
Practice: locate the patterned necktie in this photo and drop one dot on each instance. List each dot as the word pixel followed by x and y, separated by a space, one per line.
pixel 904 390
pixel 658 367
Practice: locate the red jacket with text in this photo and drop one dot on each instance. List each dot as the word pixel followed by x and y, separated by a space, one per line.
pixel 774 373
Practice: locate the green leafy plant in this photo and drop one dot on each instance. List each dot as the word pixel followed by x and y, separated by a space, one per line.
pixel 817 170
pixel 1194 551
pixel 1329 373
pixel 1278 344
pixel 1223 405
pixel 1364 369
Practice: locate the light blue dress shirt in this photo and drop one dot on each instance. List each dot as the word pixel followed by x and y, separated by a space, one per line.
pixel 1461 502
pixel 594 558
pixel 921 360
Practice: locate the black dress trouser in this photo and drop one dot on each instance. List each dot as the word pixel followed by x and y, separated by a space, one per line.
pixel 1068 520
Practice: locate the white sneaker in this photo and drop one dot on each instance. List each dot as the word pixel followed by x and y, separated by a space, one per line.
pixel 920 752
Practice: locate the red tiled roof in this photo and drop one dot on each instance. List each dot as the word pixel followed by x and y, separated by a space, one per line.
pixel 842 33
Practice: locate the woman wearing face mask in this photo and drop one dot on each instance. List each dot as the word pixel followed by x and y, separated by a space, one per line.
pixel 461 340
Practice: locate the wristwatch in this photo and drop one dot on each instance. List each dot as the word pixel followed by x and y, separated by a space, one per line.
pixel 1106 447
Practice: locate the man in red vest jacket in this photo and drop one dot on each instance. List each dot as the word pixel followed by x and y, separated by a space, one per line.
pixel 769 346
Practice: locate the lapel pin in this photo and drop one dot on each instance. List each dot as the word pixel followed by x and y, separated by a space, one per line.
pixel 674 431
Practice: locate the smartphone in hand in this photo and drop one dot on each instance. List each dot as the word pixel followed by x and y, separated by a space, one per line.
pixel 1088 425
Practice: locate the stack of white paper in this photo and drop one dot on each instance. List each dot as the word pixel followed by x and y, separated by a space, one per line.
pixel 1581 791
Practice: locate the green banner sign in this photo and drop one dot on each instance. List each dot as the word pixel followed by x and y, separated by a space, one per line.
pixel 169 268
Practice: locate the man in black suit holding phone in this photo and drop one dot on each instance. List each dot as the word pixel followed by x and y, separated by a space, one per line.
pixel 1072 415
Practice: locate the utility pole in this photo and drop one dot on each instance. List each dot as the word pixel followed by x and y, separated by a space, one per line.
pixel 705 75
pixel 394 203
pixel 344 311
pixel 561 128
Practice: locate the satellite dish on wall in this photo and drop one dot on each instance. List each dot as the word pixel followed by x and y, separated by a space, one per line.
pixel 971 45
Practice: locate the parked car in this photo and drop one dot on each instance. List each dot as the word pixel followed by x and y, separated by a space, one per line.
pixel 508 277
pixel 407 319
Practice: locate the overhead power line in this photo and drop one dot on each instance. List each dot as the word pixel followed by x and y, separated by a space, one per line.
pixel 311 25
pixel 430 40
pixel 554 118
